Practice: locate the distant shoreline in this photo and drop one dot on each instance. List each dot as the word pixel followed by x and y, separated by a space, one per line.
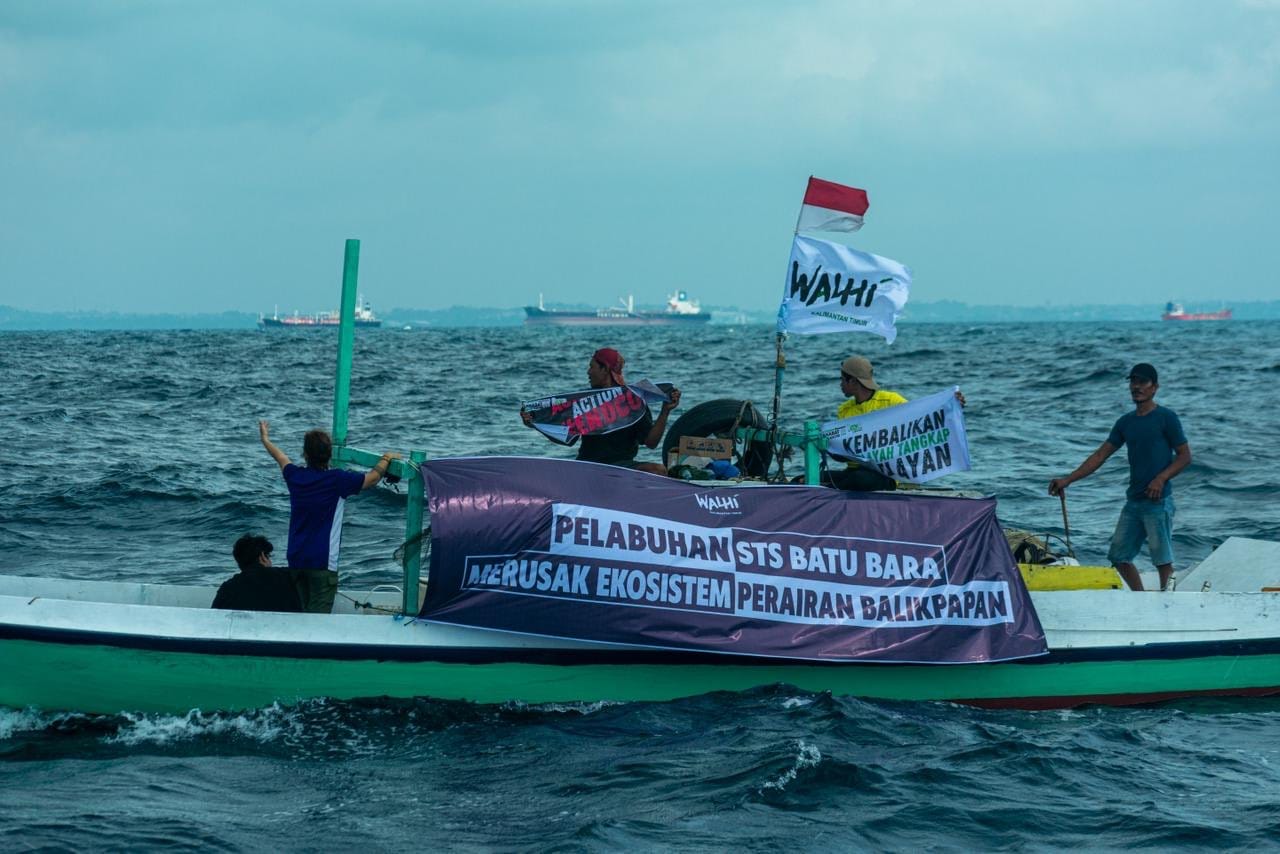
pixel 19 320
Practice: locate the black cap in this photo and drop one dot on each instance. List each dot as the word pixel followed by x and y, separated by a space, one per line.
pixel 1143 371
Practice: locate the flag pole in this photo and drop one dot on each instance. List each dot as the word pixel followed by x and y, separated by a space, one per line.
pixel 779 368
pixel 800 213
pixel 780 359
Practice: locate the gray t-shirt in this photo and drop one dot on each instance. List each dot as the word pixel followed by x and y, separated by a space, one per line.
pixel 1151 439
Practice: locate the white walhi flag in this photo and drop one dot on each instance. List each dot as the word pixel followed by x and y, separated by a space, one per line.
pixel 916 441
pixel 832 288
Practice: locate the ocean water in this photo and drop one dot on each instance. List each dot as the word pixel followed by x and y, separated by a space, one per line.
pixel 135 456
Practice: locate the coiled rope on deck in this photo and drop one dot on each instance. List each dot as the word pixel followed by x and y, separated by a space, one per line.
pixel 420 541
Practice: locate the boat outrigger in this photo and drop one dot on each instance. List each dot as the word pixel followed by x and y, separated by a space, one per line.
pixel 105 647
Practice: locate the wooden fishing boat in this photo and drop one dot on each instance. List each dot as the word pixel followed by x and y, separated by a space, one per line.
pixel 107 647
pixel 112 646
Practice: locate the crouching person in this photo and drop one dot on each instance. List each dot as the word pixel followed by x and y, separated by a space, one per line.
pixel 257 586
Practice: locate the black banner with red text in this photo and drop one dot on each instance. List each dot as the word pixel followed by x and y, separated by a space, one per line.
pixel 567 417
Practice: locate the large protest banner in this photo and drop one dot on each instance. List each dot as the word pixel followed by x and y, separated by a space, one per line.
pixel 567 417
pixel 832 288
pixel 915 441
pixel 578 550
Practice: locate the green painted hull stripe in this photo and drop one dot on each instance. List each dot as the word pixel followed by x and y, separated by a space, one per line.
pixel 213 647
pixel 111 679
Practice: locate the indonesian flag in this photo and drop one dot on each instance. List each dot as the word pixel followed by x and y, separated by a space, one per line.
pixel 831 207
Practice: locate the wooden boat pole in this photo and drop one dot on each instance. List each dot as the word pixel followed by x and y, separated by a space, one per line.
pixel 346 341
pixel 1066 527
pixel 779 368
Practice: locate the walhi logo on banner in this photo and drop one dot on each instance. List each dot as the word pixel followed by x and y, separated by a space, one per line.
pixel 832 288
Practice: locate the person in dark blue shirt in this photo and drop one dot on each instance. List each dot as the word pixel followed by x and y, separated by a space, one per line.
pixel 1158 450
pixel 317 498
pixel 258 586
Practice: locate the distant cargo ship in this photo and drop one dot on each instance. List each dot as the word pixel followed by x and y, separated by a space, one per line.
pixel 680 311
pixel 1173 311
pixel 364 317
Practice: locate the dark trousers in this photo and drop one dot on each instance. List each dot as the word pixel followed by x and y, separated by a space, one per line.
pixel 317 588
pixel 858 479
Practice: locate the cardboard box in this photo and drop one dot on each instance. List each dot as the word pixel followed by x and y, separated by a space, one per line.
pixel 712 449
pixel 697 452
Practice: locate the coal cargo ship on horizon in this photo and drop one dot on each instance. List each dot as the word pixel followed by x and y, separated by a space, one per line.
pixel 680 311
pixel 324 320
pixel 1173 311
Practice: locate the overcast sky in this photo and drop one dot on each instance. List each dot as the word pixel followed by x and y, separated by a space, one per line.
pixel 210 156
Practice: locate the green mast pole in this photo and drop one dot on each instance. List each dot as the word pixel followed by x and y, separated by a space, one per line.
pixel 412 531
pixel 346 341
pixel 411 470
pixel 812 452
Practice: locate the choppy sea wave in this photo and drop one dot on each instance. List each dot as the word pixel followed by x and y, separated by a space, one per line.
pixel 135 456
pixel 759 769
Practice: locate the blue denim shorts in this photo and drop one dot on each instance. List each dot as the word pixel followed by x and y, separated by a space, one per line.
pixel 1143 520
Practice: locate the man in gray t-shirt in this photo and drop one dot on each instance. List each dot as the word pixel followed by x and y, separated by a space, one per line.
pixel 1158 450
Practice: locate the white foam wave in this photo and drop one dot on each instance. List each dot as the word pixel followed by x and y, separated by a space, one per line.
pixel 264 725
pixel 583 708
pixel 21 720
pixel 807 756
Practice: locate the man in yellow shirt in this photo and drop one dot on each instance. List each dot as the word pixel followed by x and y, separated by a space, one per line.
pixel 859 386
pixel 857 382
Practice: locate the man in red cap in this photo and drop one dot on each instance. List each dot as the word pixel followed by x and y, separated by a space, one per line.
pixel 605 368
pixel 619 447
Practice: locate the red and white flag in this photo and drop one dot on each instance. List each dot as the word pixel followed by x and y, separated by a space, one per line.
pixel 831 207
